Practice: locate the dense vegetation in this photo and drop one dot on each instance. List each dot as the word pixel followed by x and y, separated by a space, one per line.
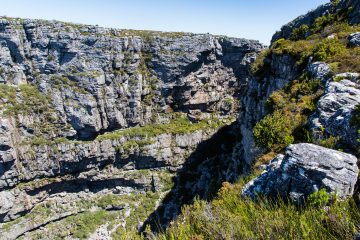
pixel 290 109
pixel 230 217
pixel 326 40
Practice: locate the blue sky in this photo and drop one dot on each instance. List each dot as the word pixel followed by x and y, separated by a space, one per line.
pixel 253 19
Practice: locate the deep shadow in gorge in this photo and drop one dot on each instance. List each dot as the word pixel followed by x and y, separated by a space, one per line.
pixel 212 163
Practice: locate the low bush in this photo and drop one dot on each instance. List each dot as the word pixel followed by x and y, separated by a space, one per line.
pixel 261 67
pixel 231 217
pixel 328 48
pixel 274 131
pixel 300 33
pixel 318 45
pixel 289 110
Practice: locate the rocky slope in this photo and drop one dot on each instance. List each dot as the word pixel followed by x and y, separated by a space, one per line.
pixel 105 132
pixel 329 117
pixel 352 7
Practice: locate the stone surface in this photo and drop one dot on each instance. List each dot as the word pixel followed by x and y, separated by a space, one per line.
pixel 335 109
pixel 304 169
pixel 99 80
pixel 254 95
pixel 354 40
pixel 319 70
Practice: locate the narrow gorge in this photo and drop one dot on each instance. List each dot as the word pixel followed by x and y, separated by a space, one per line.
pixel 106 133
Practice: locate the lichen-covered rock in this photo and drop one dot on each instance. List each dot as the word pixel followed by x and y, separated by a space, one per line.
pixel 335 109
pixel 319 70
pixel 253 101
pixel 354 40
pixel 100 79
pixel 304 169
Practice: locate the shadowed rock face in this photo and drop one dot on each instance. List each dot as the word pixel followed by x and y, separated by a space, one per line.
pixel 304 169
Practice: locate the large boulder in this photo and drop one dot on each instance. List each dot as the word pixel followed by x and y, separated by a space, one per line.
pixel 335 109
pixel 354 39
pixel 319 70
pixel 304 169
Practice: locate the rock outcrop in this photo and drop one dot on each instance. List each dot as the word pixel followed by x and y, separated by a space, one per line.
pixel 319 71
pixel 99 80
pixel 354 40
pixel 335 109
pixel 304 169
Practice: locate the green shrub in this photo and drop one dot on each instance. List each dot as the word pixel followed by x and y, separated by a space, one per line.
pixel 289 110
pixel 321 22
pixel 347 61
pixel 299 33
pixel 331 50
pixel 319 199
pixel 328 48
pixel 299 50
pixel 261 67
pixel 274 129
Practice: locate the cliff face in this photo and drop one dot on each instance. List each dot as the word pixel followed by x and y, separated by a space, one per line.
pixel 92 115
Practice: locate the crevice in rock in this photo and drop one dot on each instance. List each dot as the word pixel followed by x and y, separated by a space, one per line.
pixel 77 185
pixel 205 170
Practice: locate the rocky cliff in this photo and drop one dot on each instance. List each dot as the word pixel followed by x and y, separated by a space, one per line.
pixel 91 117
pixel 105 131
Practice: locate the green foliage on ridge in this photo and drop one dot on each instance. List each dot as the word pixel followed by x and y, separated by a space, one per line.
pixel 289 109
pixel 325 40
pixel 179 125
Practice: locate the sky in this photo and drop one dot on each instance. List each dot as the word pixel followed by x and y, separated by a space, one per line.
pixel 252 19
